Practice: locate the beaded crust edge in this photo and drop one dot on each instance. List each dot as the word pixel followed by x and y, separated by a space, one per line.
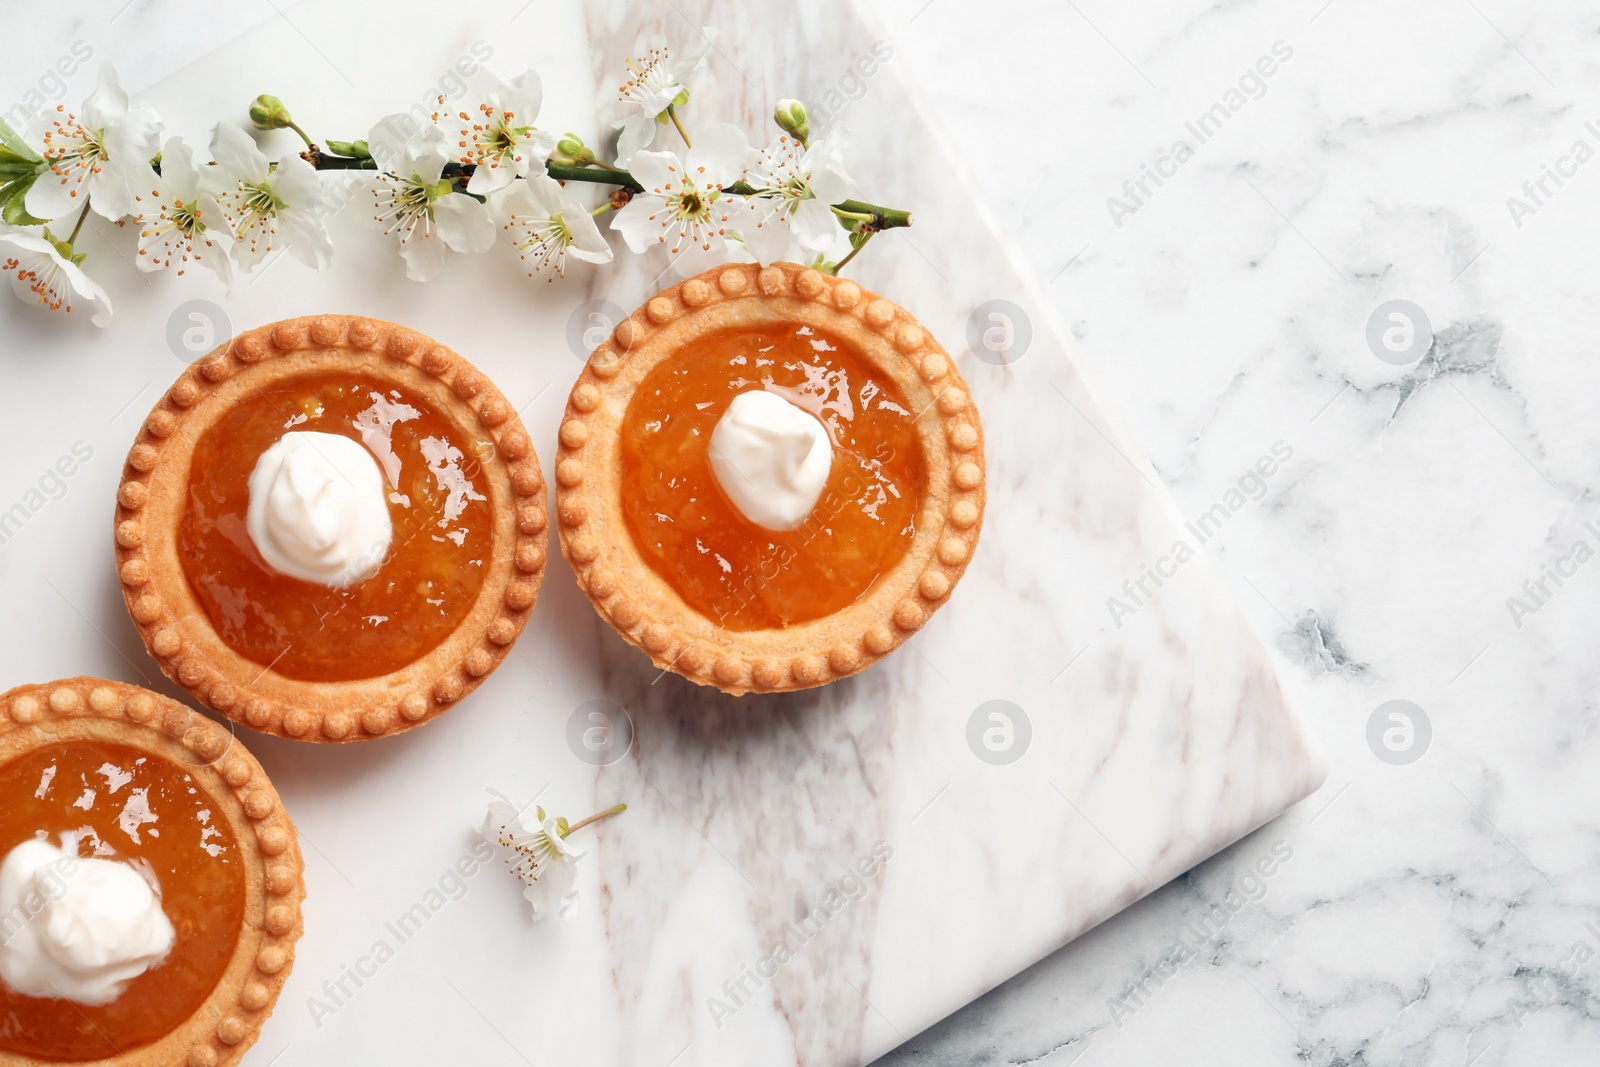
pixel 642 606
pixel 176 629
pixel 229 1021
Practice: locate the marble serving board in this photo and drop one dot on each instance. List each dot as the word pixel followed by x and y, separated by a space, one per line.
pixel 905 849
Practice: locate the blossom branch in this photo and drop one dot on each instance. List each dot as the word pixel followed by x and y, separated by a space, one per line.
pixel 868 218
pixel 452 183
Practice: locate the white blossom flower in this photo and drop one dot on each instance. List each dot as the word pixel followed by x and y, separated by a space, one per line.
pixel 799 186
pixel 658 83
pixel 546 223
pixel 682 207
pixel 179 221
pixel 46 273
pixel 412 201
pixel 267 209
pixel 539 855
pixel 499 137
pixel 103 156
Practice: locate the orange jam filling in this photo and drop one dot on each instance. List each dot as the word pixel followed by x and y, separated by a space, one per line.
pixel 738 574
pixel 129 806
pixel 439 505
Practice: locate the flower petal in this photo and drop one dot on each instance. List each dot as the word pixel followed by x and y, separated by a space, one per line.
pixel 555 889
pixel 486 179
pixel 177 169
pixel 107 103
pixel 109 194
pixel 635 224
pixel 814 225
pixel 463 223
pixel 825 161
pixel 523 97
pixel 518 202
pixel 87 289
pixel 307 239
pixel 424 255
pixel 388 140
pixel 295 182
pixel 428 153
pixel 249 254
pixel 545 192
pixel 134 138
pixel 588 243
pixel 657 171
pixel 236 154
pixel 719 155
pixel 764 230
pixel 49 198
pixel 638 131
pixel 535 149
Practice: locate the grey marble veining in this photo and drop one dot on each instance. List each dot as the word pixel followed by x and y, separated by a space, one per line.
pixel 1436 913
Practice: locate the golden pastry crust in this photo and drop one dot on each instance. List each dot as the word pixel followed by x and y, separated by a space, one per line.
pixel 642 606
pixel 153 493
pixel 92 709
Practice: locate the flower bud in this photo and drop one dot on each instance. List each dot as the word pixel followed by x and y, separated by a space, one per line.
pixel 268 113
pixel 571 149
pixel 793 118
pixel 352 149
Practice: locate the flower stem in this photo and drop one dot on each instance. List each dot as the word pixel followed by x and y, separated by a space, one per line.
pixel 672 113
pixel 82 215
pixel 601 210
pixel 596 817
pixel 296 128
pixel 839 266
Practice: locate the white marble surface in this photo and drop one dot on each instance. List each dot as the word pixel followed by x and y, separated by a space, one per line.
pixel 1428 913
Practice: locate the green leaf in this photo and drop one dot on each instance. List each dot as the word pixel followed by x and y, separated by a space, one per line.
pixel 12 208
pixel 16 146
pixel 11 168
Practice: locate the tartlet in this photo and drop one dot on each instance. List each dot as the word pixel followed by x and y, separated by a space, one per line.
pixel 236 906
pixel 388 653
pixel 783 627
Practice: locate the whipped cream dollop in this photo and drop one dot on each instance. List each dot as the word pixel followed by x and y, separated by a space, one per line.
pixel 772 458
pixel 317 509
pixel 76 928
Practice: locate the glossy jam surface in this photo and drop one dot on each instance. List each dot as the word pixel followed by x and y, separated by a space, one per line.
pixel 438 502
pixel 130 806
pixel 736 573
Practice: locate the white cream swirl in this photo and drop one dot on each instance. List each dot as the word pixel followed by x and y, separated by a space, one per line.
pixel 772 458
pixel 74 928
pixel 317 509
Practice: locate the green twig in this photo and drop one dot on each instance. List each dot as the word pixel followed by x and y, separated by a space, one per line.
pixel 839 266
pixel 883 218
pixel 571 172
pixel 82 215
pixel 672 113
